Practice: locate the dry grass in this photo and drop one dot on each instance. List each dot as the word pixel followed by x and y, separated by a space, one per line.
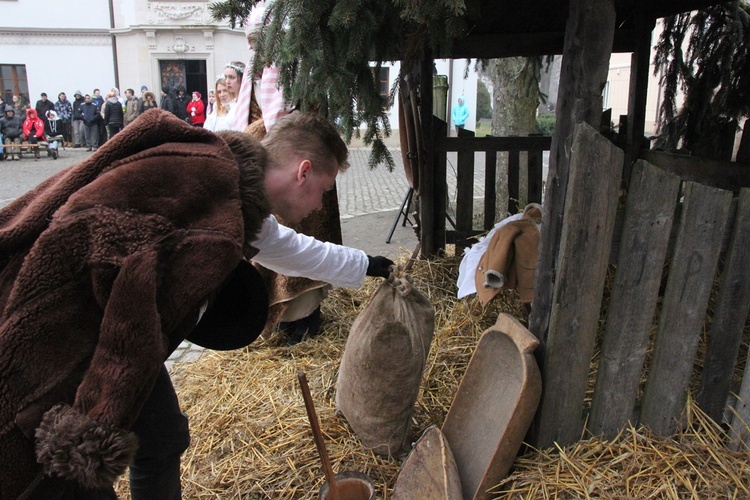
pixel 251 437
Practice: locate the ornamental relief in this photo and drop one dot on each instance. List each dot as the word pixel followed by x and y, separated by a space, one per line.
pixel 26 38
pixel 163 12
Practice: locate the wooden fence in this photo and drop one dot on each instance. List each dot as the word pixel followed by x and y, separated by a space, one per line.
pixel 465 146
pixel 689 218
pixel 643 315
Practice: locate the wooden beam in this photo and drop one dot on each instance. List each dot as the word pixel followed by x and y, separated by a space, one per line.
pixel 595 170
pixel 639 73
pixel 731 176
pixel 588 47
pixel 519 143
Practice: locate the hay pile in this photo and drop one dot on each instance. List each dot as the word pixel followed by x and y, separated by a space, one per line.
pixel 251 437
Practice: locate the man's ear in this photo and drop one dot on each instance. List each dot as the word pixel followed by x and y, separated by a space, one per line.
pixel 304 170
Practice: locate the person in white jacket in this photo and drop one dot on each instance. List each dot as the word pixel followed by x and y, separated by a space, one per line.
pixel 222 116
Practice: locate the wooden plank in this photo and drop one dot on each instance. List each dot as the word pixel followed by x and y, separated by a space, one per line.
pixel 535 172
pixel 514 178
pixel 595 172
pixel 639 75
pixel 440 188
pixel 649 213
pixel 490 189
pixel 731 312
pixel 721 174
pixel 515 143
pixel 464 190
pixel 691 276
pixel 588 47
pixel 739 430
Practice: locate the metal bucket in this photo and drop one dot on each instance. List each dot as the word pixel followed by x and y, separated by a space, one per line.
pixel 350 485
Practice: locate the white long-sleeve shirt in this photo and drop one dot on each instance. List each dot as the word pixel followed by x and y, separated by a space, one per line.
pixel 287 252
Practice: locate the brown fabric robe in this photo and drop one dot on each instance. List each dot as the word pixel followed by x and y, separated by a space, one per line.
pixel 103 268
pixel 510 259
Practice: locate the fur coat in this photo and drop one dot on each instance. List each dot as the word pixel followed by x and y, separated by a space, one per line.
pixel 103 268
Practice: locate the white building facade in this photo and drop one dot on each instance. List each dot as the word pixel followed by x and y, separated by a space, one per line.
pixel 90 44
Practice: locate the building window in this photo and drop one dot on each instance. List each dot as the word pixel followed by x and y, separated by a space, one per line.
pixel 13 82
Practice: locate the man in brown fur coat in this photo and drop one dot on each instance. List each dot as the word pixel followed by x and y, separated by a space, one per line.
pixel 107 266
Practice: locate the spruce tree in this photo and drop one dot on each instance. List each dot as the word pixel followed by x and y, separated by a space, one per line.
pixel 713 71
pixel 326 51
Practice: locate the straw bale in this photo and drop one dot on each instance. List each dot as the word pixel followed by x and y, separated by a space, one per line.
pixel 251 437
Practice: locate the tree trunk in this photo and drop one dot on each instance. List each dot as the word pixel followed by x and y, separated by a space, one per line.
pixel 515 98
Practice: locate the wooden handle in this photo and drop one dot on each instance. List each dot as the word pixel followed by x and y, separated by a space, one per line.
pixel 317 435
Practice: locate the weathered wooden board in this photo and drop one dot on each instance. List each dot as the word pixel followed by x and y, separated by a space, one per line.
pixel 691 276
pixel 494 406
pixel 430 471
pixel 589 33
pixel 595 170
pixel 490 189
pixel 739 432
pixel 731 312
pixel 647 224
pixel 514 178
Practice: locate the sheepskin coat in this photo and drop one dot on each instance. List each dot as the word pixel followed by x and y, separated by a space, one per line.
pixel 103 269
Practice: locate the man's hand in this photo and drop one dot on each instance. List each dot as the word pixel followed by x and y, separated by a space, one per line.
pixel 379 266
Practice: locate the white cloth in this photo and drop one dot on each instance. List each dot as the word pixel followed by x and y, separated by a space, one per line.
pixel 468 267
pixel 287 252
pixel 214 122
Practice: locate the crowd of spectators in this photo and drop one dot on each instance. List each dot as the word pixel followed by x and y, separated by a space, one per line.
pixel 89 120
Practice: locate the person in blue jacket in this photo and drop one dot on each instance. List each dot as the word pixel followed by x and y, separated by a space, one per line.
pixel 460 114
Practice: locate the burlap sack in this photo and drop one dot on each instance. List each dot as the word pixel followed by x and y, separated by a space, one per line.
pixel 381 370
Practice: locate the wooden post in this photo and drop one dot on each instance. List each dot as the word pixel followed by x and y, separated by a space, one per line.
pixel 464 191
pixel 490 172
pixel 514 181
pixel 639 71
pixel 534 173
pixel 732 307
pixel 595 173
pixel 643 248
pixel 427 195
pixel 588 47
pixel 691 276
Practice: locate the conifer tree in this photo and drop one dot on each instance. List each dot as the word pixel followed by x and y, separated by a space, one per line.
pixel 714 74
pixel 326 51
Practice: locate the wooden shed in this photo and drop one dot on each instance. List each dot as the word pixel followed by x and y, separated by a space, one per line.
pixel 686 214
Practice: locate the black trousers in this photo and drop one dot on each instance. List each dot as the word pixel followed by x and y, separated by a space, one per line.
pixel 163 436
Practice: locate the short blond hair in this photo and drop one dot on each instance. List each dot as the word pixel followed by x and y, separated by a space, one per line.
pixel 308 135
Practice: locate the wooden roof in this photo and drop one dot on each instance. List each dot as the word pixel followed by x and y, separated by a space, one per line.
pixel 507 28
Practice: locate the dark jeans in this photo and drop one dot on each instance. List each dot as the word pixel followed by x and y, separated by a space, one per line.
pixel 163 436
pixel 113 129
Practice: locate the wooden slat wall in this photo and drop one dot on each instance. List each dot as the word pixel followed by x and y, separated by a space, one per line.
pixel 595 172
pixel 647 224
pixel 732 307
pixel 691 277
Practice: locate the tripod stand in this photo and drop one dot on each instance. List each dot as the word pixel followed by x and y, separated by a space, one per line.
pixel 404 210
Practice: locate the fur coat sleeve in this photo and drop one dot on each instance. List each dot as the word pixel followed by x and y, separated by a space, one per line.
pixel 102 268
